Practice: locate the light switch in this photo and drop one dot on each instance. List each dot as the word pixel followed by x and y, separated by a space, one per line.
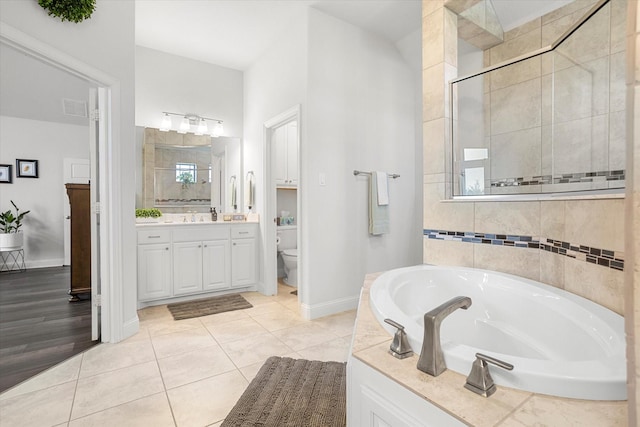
pixel 321 179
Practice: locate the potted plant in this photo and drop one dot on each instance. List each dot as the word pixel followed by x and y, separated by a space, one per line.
pixel 148 215
pixel 11 238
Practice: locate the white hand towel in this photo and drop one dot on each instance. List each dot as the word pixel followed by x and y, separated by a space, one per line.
pixel 383 189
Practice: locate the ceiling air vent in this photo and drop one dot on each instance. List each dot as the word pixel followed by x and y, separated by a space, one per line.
pixel 72 107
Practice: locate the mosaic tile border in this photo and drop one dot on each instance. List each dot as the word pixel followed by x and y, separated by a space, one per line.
pixel 598 256
pixel 566 178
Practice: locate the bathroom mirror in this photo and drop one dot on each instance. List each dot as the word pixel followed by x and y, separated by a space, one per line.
pixel 191 172
pixel 549 122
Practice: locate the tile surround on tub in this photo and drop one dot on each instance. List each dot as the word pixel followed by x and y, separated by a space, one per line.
pixel 592 255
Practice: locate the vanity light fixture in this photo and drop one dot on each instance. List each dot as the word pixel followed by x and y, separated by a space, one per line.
pixel 189 121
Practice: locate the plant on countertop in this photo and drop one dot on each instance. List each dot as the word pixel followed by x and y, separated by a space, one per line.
pixel 10 223
pixel 148 213
pixel 69 10
pixel 186 178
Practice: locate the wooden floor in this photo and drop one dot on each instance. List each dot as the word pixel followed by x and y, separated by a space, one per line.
pixel 38 326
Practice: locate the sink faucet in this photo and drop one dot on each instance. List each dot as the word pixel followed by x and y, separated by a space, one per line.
pixel 431 357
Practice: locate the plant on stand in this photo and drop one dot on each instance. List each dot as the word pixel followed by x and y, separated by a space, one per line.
pixel 11 238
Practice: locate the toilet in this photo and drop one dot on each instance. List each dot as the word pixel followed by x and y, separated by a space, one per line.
pixel 287 240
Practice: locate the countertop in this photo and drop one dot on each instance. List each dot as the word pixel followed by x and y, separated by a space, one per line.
pixel 506 408
pixel 177 219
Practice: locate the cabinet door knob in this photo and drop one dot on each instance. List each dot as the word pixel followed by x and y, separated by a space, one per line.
pixel 199 246
pixel 167 248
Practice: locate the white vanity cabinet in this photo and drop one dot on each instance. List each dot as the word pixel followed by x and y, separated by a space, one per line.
pixel 178 261
pixel 154 264
pixel 243 256
pixel 198 252
pixel 285 142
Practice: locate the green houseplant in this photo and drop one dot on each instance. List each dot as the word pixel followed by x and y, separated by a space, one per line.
pixel 11 238
pixel 148 215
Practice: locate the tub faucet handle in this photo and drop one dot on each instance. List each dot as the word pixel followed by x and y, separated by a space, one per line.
pixel 400 347
pixel 479 380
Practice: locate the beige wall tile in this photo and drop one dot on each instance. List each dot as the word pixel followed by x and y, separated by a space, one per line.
pixel 435 137
pixel 522 218
pixel 445 215
pixel 450 38
pixel 567 10
pixel 534 24
pixel 617 82
pixel 516 107
pixel 516 154
pixel 433 90
pixel 552 220
pixel 596 223
pixel 604 286
pixel 521 262
pixel 617 140
pixel 581 145
pixel 430 6
pixel 447 252
pixel 618 25
pixel 433 38
pixel 591 40
pixel 552 269
pixel 516 73
pixel 520 45
pixel 546 152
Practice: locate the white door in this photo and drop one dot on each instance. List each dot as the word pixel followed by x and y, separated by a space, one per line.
pixel 97 146
pixel 76 171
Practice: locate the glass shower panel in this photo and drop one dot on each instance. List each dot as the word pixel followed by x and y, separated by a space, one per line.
pixel 551 122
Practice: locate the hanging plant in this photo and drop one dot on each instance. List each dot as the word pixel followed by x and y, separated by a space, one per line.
pixel 69 10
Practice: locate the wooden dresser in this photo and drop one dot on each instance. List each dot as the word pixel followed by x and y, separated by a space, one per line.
pixel 80 240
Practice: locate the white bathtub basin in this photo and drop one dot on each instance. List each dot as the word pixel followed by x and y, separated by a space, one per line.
pixel 560 344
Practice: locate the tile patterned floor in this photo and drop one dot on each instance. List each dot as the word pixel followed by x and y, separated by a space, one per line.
pixel 175 373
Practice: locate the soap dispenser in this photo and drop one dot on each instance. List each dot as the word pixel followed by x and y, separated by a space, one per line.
pixel 214 214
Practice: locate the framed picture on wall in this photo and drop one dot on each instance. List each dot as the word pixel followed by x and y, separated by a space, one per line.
pixel 27 168
pixel 5 174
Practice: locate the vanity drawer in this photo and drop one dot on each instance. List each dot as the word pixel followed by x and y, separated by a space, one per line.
pixel 243 232
pixel 200 233
pixel 154 236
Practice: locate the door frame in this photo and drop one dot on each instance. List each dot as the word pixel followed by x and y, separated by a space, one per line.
pixel 270 260
pixel 108 165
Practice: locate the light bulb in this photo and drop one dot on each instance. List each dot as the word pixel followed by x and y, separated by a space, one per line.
pixel 202 127
pixel 218 130
pixel 166 123
pixel 185 126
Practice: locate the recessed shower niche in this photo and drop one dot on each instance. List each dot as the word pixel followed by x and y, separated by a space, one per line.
pixel 549 121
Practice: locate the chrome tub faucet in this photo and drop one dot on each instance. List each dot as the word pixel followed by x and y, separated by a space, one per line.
pixel 431 358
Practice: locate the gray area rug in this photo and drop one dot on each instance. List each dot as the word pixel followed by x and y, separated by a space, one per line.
pixel 293 393
pixel 207 306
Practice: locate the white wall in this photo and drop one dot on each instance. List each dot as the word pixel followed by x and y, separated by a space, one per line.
pixel 49 143
pixel 274 84
pixel 360 115
pixel 106 43
pixel 166 82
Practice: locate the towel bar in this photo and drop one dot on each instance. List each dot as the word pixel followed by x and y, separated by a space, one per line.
pixel 391 175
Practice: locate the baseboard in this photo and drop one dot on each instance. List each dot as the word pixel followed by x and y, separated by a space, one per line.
pixel 130 328
pixel 144 304
pixel 328 308
pixel 56 262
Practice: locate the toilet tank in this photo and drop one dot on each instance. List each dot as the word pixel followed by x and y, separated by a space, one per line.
pixel 288 237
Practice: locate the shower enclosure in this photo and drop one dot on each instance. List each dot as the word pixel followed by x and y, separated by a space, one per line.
pixel 546 122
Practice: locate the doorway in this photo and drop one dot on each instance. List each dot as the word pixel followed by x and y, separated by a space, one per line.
pixel 283 252
pixel 98 138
